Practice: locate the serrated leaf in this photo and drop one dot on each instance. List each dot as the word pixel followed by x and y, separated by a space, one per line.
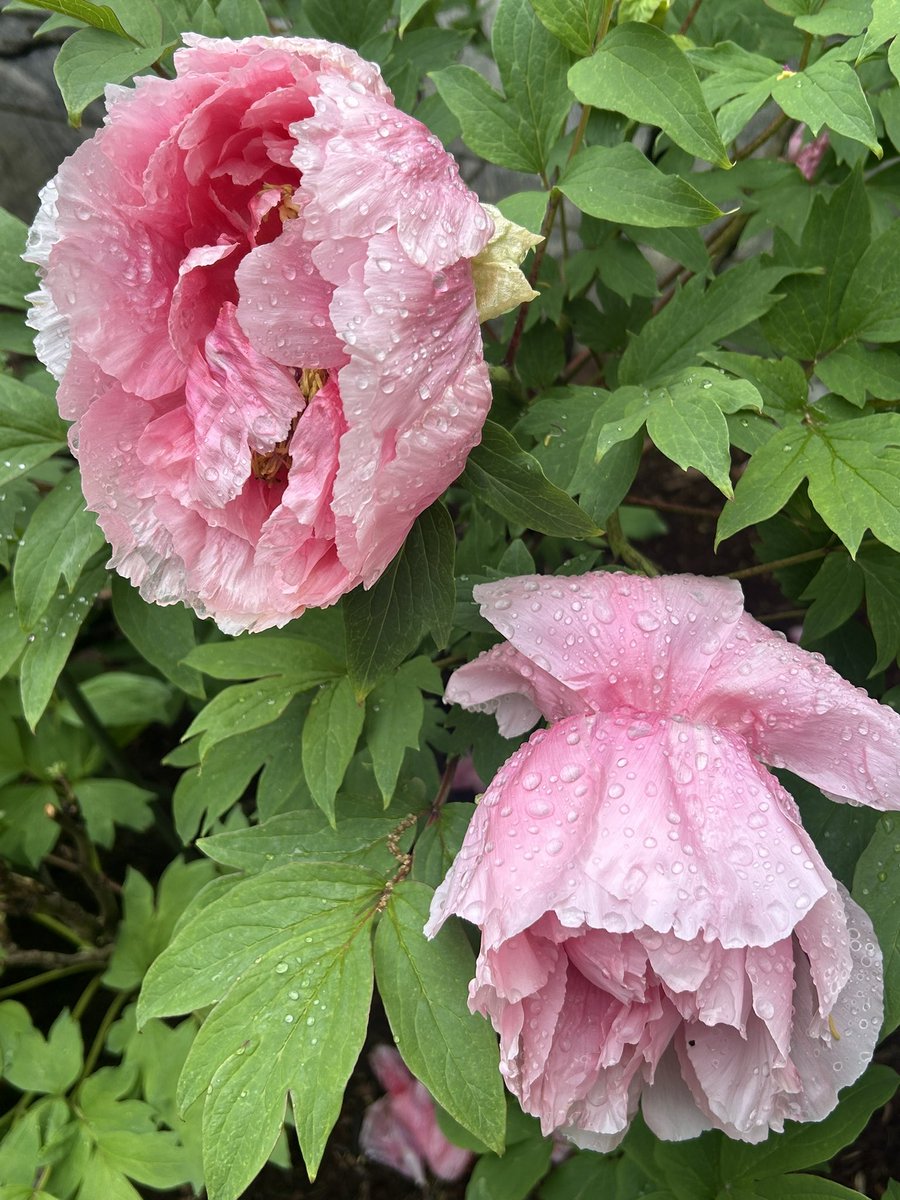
pixel 829 93
pixel 349 25
pixel 692 432
pixel 854 371
pixel 805 1145
pixel 164 636
pixel 508 479
pixel 575 22
pixel 836 592
pixel 330 733
pixel 16 277
pixel 638 70
pixel 62 535
pixel 92 58
pixel 870 309
pixel 105 803
pixel 49 647
pixel 30 428
pixel 424 986
pixel 876 886
pixel 290 943
pixel 847 17
pixel 620 184
pixel 414 596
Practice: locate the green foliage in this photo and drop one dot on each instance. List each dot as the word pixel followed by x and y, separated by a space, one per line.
pixel 247 832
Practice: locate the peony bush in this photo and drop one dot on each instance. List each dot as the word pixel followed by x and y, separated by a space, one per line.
pixel 449 690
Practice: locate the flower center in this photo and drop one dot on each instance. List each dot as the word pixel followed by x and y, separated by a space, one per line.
pixel 273 466
pixel 287 209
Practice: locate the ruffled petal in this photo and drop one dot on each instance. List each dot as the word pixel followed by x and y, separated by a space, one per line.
pixel 797 712
pixel 619 640
pixel 506 683
pixel 668 1106
pixel 368 168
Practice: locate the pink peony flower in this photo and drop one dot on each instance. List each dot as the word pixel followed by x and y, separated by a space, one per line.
pixel 807 155
pixel 401 1130
pixel 257 295
pixel 656 923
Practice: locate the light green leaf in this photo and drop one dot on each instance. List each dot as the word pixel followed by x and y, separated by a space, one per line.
pixel 803 1187
pixel 105 803
pixel 164 636
pixel 691 430
pixel 33 1063
pixel 286 958
pixel 620 184
pixel 871 304
pixel 829 93
pixel 243 18
pixel 408 10
pixel 515 1175
pixel 575 22
pixel 414 596
pixel 239 709
pixel 836 16
pixel 301 663
pixel 638 70
pixel 45 655
pixel 62 535
pixel 423 986
pixel 885 24
pixel 30 428
pixel 121 698
pixel 330 733
pixel 16 277
pixel 100 16
pixel 506 478
pixel 92 58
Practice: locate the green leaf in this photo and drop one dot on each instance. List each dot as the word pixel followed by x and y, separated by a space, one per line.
pixel 351 25
pixel 691 430
pixel 30 428
pixel 697 318
pixel 105 803
pixel 508 479
pixel 164 636
pixel 870 308
pixel 638 70
pixel 62 536
pixel 803 1187
pixel 880 569
pixel 515 1175
pixel 414 596
pixel 330 733
pixel 840 832
pixel 92 58
pixel 518 131
pixel 884 25
pixel 16 277
pixel 286 958
pixel 836 592
pixel 856 372
pixel 620 184
pixel 805 1145
pixel 304 664
pixel 875 887
pixel 45 655
pixel 32 1063
pixel 239 709
pixel 829 93
pixel 439 843
pixel 100 16
pixel 394 715
pixel 148 923
pixel 853 469
pixel 408 10
pixel 243 18
pixel 836 16
pixel 120 698
pixel 424 985
pixel 575 22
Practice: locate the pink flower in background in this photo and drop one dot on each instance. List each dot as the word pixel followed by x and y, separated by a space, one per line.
pixel 401 1130
pixel 257 295
pixel 807 156
pixel 656 923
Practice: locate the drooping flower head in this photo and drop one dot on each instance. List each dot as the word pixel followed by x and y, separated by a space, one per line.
pixel 400 1129
pixel 257 294
pixel 657 926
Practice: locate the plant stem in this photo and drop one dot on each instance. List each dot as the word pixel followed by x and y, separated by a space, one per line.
pixel 118 1003
pixel 81 1004
pixel 70 691
pixel 795 559
pixel 445 785
pixel 688 510
pixel 35 981
pixel 623 549
pixel 61 930
pixel 689 19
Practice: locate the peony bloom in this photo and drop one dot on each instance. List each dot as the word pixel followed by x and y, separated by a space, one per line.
pixel 257 295
pixel 807 155
pixel 401 1130
pixel 656 924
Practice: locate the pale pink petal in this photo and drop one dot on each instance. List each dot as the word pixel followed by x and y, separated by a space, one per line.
pixel 797 712
pixel 389 1069
pixel 386 1140
pixel 620 640
pixel 770 971
pixel 504 682
pixel 822 935
pixel 202 288
pixel 414 344
pixel 284 305
pixel 414 1109
pixel 668 1106
pixel 369 168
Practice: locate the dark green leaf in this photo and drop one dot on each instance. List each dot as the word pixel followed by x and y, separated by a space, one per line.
pixel 394 715
pixel 16 277
pixel 829 93
pixel 330 733
pixel 515 1175
pixel 575 22
pixel 164 636
pixel 875 887
pixel 30 428
pixel 105 803
pixel 302 664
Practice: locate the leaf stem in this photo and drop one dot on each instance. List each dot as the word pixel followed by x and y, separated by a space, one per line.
pixel 689 19
pixel 118 1003
pixel 623 549
pixel 795 559
pixel 36 981
pixel 61 930
pixel 70 691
